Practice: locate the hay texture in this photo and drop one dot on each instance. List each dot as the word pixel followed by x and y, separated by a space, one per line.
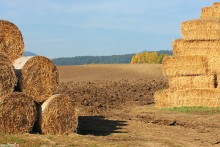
pixel 11 40
pixel 57 115
pixel 193 97
pixel 183 47
pixel 17 113
pixel 37 77
pixel 213 65
pixel 192 82
pixel 211 12
pixel 201 29
pixel 185 66
pixel 8 78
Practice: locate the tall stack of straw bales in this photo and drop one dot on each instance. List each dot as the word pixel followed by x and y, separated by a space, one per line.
pixel 193 71
pixel 27 87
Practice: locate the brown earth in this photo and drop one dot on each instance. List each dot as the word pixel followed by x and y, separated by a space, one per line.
pixel 116 108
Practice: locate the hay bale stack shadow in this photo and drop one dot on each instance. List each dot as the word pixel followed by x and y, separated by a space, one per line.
pixel 11 40
pixel 17 113
pixel 99 126
pixel 37 77
pixel 57 115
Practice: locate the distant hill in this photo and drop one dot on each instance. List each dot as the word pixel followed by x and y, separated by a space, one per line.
pixel 114 59
pixel 26 53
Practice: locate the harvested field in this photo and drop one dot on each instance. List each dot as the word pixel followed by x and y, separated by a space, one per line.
pixel 118 110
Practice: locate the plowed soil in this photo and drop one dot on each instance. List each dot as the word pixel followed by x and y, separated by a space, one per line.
pixel 118 100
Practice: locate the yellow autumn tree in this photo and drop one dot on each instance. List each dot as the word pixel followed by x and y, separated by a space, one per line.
pixel 148 57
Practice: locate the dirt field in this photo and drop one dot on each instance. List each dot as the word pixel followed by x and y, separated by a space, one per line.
pixel 116 108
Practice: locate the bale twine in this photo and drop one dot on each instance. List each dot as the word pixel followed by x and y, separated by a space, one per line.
pixel 17 113
pixel 8 78
pixel 37 77
pixel 11 40
pixel 57 115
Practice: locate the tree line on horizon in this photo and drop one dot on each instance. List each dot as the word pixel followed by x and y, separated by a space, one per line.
pixel 114 59
pixel 149 57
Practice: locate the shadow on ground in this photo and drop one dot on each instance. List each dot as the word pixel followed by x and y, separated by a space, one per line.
pixel 99 126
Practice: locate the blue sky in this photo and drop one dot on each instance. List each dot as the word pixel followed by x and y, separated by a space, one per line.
pixel 67 28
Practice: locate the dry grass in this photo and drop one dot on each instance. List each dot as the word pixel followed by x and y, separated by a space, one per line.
pixel 57 115
pixel 201 29
pixel 17 113
pixel 185 66
pixel 11 41
pixel 192 82
pixel 37 77
pixel 193 97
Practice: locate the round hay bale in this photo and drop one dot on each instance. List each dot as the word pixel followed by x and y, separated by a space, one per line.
pixel 8 78
pixel 37 77
pixel 11 40
pixel 57 115
pixel 17 113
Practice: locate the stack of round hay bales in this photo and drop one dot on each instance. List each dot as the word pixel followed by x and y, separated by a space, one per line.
pixel 35 80
pixel 193 71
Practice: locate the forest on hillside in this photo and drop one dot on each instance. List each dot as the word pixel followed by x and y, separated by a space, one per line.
pixel 114 59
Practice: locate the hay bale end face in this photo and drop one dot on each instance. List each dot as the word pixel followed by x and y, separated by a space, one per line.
pixel 57 115
pixel 8 78
pixel 11 40
pixel 201 29
pixel 37 77
pixel 17 113
pixel 185 66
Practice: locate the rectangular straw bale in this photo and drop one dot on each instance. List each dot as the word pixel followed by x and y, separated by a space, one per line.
pixel 191 82
pixel 193 97
pixel 214 65
pixel 211 12
pixel 185 66
pixel 201 29
pixel 206 48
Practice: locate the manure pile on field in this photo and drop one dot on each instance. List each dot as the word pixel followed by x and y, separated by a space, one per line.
pixel 194 71
pixel 27 90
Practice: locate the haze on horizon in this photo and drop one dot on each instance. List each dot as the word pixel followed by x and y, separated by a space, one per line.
pixel 65 28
